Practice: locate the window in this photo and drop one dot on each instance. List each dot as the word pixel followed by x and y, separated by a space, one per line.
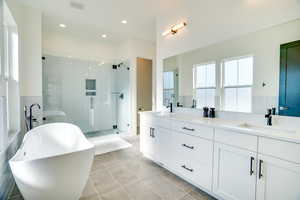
pixel 9 86
pixel 169 87
pixel 205 84
pixel 237 84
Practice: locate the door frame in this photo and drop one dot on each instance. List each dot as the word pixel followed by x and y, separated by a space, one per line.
pixel 283 74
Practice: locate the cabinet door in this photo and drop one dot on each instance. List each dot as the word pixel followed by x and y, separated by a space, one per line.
pixel 147 141
pixel 234 173
pixel 163 139
pixel 277 179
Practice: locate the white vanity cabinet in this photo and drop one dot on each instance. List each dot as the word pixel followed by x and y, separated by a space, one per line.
pixel 156 140
pixel 148 142
pixel 234 172
pixel 194 158
pixel 278 174
pixel 225 162
pixel 277 179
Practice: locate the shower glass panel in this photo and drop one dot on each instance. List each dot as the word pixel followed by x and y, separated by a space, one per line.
pixel 94 96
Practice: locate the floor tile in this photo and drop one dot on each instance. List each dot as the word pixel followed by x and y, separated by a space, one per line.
pixel 200 195
pixel 141 191
pixel 90 189
pixel 165 189
pixel 104 182
pixel 123 175
pixel 91 197
pixel 118 194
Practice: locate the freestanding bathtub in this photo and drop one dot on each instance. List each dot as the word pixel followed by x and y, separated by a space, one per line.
pixel 53 163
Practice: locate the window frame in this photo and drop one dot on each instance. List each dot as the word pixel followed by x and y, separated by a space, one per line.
pixel 174 84
pixel 237 86
pixel 195 88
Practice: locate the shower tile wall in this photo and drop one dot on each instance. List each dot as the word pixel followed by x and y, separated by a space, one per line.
pixel 64 89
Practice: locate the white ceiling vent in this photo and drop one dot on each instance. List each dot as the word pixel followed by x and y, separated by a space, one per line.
pixel 76 5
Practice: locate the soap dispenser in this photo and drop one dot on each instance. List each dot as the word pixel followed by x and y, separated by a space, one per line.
pixel 205 112
pixel 212 112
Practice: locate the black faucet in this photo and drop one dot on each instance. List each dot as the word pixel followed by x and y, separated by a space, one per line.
pixel 170 106
pixel 269 117
pixel 30 118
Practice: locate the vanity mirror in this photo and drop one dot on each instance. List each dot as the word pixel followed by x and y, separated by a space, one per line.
pixel 250 73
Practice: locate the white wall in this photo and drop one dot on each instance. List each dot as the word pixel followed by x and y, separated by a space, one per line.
pixel 132 49
pixel 29 21
pixel 65 45
pixel 264 45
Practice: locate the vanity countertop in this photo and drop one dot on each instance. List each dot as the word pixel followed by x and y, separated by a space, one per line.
pixel 274 132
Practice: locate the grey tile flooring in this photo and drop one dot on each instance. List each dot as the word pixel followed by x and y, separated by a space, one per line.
pixel 127 175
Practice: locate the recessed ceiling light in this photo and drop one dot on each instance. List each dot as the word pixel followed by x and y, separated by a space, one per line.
pixel 124 21
pixel 62 25
pixel 104 35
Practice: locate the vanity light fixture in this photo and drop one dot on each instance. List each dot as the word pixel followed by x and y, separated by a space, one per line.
pixel 124 21
pixel 174 29
pixel 62 25
pixel 104 36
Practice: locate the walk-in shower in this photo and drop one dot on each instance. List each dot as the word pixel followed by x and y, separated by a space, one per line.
pixel 93 95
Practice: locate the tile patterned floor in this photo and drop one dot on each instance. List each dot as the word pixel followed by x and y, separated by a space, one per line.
pixel 126 175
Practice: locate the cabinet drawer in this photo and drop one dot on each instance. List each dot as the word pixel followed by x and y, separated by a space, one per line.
pixel 236 139
pixel 193 129
pixel 280 149
pixel 199 173
pixel 192 148
pixel 155 121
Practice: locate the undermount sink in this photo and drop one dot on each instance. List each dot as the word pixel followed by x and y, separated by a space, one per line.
pixel 265 128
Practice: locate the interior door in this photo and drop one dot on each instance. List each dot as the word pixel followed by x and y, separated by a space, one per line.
pixel 144 86
pixel 279 179
pixel 234 173
pixel 289 97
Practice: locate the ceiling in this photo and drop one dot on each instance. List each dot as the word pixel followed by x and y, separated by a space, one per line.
pixel 100 17
pixel 104 16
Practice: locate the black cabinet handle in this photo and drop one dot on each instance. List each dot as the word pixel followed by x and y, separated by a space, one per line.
pixel 260 169
pixel 251 166
pixel 153 132
pixel 187 146
pixel 150 132
pixel 188 169
pixel 188 129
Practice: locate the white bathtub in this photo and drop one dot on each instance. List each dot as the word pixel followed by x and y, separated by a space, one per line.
pixel 53 163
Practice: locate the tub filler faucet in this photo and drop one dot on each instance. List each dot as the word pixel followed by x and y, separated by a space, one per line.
pixel 30 118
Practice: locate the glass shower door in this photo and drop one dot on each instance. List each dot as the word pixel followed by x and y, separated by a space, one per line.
pixel 93 96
